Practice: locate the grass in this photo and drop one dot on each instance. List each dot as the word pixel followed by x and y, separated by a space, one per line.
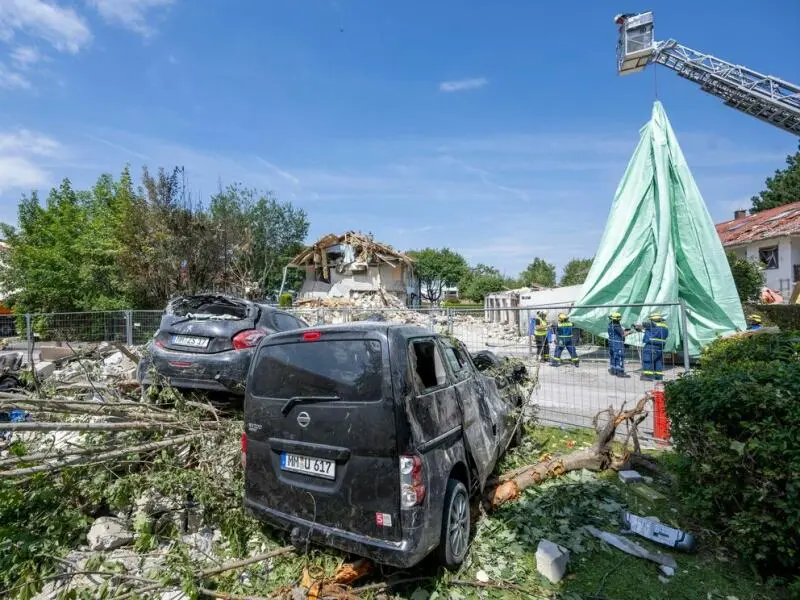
pixel 505 543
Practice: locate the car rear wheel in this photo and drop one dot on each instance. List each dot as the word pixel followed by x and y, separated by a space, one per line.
pixel 455 525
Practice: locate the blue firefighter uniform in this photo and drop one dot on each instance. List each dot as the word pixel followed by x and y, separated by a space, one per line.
pixel 564 340
pixel 616 346
pixel 656 333
pixel 753 322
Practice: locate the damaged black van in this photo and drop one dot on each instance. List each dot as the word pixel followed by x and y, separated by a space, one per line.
pixel 371 438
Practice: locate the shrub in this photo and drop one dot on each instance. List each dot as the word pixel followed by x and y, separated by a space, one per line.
pixel 785 316
pixel 285 300
pixel 455 303
pixel 736 430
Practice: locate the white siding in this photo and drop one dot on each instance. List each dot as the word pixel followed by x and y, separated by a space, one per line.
pixel 779 279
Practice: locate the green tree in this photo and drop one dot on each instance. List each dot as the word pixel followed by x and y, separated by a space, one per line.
pixel 479 281
pixel 113 247
pixel 437 269
pixel 43 267
pixel 575 271
pixel 782 188
pixel 748 277
pixel 539 272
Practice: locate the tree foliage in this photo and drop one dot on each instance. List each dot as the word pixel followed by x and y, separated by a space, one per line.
pixel 735 423
pixel 539 272
pixel 782 188
pixel 437 269
pixel 480 281
pixel 114 246
pixel 748 277
pixel 575 271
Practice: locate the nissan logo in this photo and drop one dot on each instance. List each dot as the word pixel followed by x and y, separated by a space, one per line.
pixel 303 419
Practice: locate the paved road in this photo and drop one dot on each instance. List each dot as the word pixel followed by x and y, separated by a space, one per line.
pixel 573 396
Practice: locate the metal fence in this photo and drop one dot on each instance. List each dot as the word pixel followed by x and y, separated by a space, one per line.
pixel 567 393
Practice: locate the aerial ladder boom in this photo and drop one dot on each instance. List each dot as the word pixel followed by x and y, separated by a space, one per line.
pixel 762 96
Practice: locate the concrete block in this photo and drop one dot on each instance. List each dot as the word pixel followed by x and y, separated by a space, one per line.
pixel 648 493
pixel 630 476
pixel 552 560
pixel 55 353
pixel 45 369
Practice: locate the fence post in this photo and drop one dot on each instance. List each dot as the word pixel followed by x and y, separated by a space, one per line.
pixel 450 321
pixel 685 329
pixel 129 327
pixel 431 323
pixel 29 334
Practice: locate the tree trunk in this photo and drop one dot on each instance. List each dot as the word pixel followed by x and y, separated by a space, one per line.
pixel 596 458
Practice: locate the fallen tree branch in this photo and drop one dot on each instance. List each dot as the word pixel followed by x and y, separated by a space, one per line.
pixel 124 349
pixel 95 458
pixel 596 458
pixel 243 563
pixel 121 426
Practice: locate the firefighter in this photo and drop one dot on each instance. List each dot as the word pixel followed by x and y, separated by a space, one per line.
pixel 656 333
pixel 564 340
pixel 753 322
pixel 539 326
pixel 616 345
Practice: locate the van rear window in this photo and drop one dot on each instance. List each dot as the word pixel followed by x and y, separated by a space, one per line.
pixel 349 369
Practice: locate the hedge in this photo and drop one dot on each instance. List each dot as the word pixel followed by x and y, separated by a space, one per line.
pixel 785 316
pixel 735 424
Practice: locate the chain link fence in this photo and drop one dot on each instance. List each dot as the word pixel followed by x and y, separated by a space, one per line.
pixel 569 392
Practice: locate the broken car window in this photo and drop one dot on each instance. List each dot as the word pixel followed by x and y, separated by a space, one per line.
pixel 209 307
pixel 456 359
pixel 428 366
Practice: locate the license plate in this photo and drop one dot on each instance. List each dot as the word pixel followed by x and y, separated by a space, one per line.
pixel 316 467
pixel 191 341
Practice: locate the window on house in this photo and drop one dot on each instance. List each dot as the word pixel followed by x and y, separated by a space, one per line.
pixel 796 274
pixel 769 257
pixel 428 367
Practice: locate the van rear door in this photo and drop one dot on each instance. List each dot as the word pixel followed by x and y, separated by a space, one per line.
pixel 321 432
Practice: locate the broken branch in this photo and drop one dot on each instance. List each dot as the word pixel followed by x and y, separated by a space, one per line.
pixel 79 460
pixel 596 458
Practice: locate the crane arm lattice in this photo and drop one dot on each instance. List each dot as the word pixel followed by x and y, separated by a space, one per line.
pixel 762 96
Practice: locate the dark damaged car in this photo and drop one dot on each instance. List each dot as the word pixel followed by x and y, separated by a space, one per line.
pixel 372 438
pixel 206 342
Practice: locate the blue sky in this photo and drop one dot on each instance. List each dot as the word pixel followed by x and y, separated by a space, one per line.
pixel 499 129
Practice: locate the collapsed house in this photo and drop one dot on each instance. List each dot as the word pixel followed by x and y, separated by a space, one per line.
pixel 342 269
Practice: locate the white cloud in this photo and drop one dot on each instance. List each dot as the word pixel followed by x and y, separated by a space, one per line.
pixel 463 84
pixel 19 151
pixel 12 80
pixel 25 56
pixel 131 14
pixel 62 27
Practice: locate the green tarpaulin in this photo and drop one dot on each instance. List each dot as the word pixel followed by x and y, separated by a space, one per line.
pixel 660 246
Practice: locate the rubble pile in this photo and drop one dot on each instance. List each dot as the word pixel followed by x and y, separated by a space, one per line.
pixel 101 367
pixel 138 488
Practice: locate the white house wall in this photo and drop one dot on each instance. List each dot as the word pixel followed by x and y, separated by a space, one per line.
pixel 780 279
pixel 374 278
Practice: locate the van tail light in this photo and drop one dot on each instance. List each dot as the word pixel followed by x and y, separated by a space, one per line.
pixel 412 488
pixel 248 338
pixel 244 449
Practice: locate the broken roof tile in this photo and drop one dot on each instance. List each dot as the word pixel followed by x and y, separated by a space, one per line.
pixel 775 222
